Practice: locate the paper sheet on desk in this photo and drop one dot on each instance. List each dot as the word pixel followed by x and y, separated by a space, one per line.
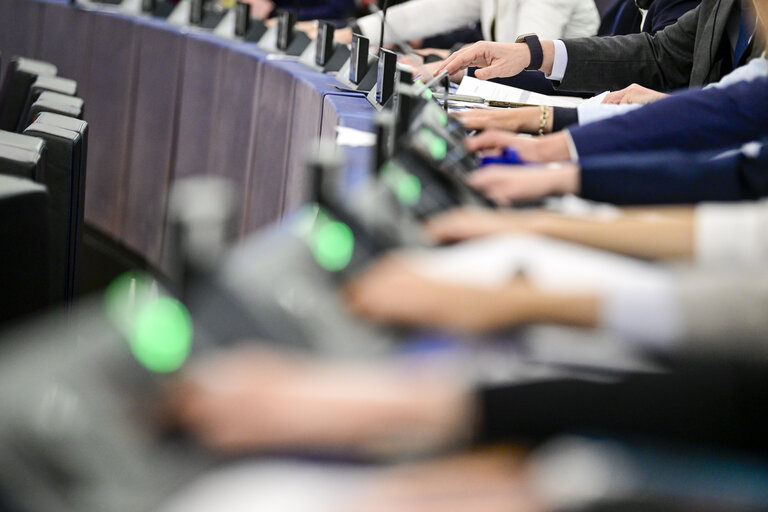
pixel 354 138
pixel 551 264
pixel 497 92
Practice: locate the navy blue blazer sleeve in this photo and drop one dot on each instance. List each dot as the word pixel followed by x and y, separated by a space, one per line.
pixel 663 13
pixel 691 121
pixel 319 9
pixel 675 177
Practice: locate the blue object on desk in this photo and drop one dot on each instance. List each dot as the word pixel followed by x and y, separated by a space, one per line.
pixel 509 157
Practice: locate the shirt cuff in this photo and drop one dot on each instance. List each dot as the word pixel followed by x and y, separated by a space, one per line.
pixel 560 62
pixel 647 313
pixel 573 153
pixel 728 234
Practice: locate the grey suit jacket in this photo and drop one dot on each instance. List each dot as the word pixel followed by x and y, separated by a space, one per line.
pixel 726 311
pixel 692 52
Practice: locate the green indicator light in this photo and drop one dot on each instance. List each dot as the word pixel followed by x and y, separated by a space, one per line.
pixel 161 337
pixel 428 94
pixel 333 245
pixel 409 190
pixel 125 296
pixel 443 118
pixel 438 148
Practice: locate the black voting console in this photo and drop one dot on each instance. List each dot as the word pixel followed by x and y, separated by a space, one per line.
pixel 23 265
pixel 55 84
pixel 205 14
pixel 325 54
pixel 360 71
pixel 249 29
pixel 19 77
pixel 64 177
pixel 22 156
pixel 70 106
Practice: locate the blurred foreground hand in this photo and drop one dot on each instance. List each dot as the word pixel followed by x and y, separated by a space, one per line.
pixel 484 482
pixel 255 400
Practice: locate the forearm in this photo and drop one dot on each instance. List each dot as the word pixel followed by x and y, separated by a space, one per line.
pixel 651 234
pixel 418 19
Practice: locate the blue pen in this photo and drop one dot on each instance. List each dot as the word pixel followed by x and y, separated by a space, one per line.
pixel 509 157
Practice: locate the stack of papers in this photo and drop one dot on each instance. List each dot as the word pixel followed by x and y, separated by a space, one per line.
pixel 491 91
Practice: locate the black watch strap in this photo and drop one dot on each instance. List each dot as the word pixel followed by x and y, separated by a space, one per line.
pixel 537 53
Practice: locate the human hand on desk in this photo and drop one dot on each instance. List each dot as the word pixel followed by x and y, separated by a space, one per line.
pixel 496 59
pixel 253 400
pixel 505 184
pixel 549 148
pixel 260 9
pixel 470 222
pixel 490 481
pixel 525 120
pixel 634 94
pixel 393 292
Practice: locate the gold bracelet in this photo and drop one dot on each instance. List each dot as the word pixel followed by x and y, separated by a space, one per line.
pixel 544 118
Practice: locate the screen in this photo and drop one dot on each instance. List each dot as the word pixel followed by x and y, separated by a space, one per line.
pixel 385 83
pixel 286 21
pixel 242 18
pixel 324 42
pixel 358 61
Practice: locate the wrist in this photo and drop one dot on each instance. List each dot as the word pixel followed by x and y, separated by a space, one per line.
pixel 554 148
pixel 548 57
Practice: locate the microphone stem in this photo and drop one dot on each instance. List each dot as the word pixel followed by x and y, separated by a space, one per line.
pixel 383 23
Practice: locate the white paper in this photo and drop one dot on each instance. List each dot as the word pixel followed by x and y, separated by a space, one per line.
pixel 498 92
pixel 354 138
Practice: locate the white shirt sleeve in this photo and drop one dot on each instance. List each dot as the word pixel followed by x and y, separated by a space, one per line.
pixel 648 314
pixel 731 234
pixel 561 61
pixel 589 113
pixel 421 18
pixel 754 69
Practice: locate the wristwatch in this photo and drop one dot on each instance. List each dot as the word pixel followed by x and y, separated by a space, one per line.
pixel 537 53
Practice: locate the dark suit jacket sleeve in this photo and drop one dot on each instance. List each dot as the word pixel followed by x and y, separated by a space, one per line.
pixel 720 405
pixel 664 13
pixel 674 177
pixel 662 61
pixel 690 121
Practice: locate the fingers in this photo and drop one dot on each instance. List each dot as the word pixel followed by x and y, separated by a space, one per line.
pixel 490 139
pixel 474 55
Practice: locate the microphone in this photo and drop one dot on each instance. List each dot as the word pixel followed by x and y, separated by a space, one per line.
pixel 383 23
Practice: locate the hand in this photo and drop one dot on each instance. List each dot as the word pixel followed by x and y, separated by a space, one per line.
pixel 495 59
pixel 634 94
pixel 505 184
pixel 550 148
pixel 467 223
pixel 526 120
pixel 308 27
pixel 390 292
pixel 252 400
pixel 343 35
pixel 432 70
pixel 493 481
pixel 260 9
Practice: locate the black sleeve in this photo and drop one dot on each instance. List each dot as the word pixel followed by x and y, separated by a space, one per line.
pixel 723 406
pixel 564 117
